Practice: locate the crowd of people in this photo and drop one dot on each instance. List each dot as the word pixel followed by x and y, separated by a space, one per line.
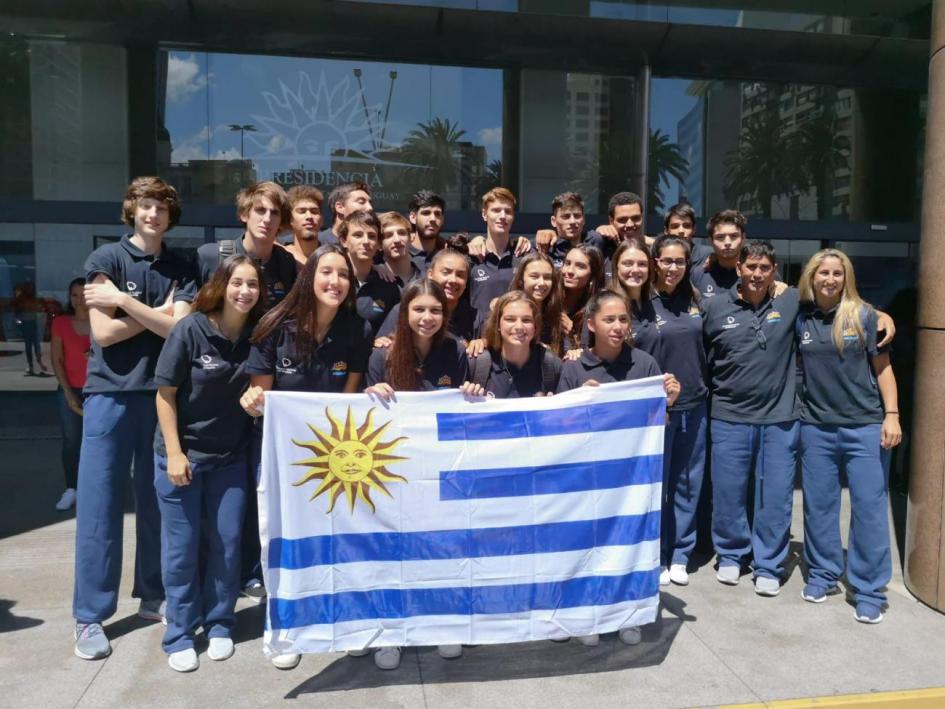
pixel 757 374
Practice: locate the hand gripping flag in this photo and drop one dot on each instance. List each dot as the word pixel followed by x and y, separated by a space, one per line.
pixel 436 520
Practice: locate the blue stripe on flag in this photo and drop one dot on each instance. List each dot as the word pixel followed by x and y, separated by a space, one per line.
pixel 550 479
pixel 587 418
pixel 463 543
pixel 517 598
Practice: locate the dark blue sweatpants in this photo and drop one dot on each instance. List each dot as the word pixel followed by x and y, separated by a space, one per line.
pixel 216 498
pixel 118 428
pixel 769 453
pixel 684 451
pixel 825 450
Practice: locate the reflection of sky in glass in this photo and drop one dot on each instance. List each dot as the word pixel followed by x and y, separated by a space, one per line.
pixel 303 109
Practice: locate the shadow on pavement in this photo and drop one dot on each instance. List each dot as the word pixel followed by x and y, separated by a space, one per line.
pixel 491 663
pixel 10 622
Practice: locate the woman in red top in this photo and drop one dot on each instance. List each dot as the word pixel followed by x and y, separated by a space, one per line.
pixel 70 356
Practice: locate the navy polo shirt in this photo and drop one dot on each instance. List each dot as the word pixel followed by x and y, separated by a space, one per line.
pixel 506 381
pixel 375 299
pixel 837 390
pixel 421 259
pixel 681 352
pixel 415 274
pixel 326 237
pixel 750 353
pixel 699 253
pixel 461 325
pixel 128 365
pixel 713 281
pixel 559 250
pixel 490 279
pixel 210 374
pixel 445 367
pixel 630 364
pixel 278 272
pixel 345 349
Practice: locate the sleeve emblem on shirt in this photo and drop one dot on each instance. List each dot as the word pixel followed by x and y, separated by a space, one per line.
pixel 339 369
pixel 444 382
pixel 379 306
pixel 774 316
pixel 694 312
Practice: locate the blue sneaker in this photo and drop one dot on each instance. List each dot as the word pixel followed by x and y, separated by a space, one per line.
pixel 867 612
pixel 814 593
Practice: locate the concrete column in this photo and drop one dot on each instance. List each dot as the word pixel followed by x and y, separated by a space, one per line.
pixel 925 541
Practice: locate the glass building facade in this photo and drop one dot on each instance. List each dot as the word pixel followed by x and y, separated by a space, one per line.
pixel 810 120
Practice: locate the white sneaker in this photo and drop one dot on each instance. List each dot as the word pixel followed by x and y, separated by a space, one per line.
pixel 286 661
pixel 358 653
pixel 183 660
pixel 767 586
pixel 630 636
pixel 67 500
pixel 589 640
pixel 664 576
pixel 728 574
pixel 449 652
pixel 678 574
pixel 387 658
pixel 220 649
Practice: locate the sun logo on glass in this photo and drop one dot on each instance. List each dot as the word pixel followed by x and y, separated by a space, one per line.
pixel 350 460
pixel 316 125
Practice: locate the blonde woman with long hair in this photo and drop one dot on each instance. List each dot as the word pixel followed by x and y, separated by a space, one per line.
pixel 849 419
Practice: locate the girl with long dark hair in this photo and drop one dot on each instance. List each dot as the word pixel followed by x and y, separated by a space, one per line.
pixel 201 459
pixel 312 341
pixel 678 322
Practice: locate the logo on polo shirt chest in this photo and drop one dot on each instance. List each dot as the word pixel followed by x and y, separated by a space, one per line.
pixel 659 321
pixel 849 334
pixel 339 369
pixel 805 338
pixel 131 288
pixel 730 323
pixel 285 366
pixel 480 275
pixel 444 382
pixel 207 363
pixel 773 316
pixel 709 291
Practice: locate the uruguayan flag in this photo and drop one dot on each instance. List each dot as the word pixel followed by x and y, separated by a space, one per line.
pixel 437 520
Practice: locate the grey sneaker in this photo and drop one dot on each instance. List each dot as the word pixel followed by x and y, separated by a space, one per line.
pixel 90 641
pixel 630 636
pixel 152 610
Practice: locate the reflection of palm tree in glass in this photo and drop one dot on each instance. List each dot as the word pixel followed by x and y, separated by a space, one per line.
pixel 762 167
pixel 491 178
pixel 434 148
pixel 665 161
pixel 820 153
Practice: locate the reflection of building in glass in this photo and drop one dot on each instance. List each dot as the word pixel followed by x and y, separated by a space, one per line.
pixel 210 180
pixel 588 101
pixel 690 132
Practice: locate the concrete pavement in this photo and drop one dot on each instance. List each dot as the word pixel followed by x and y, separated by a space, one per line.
pixel 714 645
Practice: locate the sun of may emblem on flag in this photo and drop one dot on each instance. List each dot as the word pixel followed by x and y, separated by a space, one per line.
pixel 349 459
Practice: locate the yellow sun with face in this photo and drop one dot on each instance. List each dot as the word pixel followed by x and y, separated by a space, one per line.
pixel 350 460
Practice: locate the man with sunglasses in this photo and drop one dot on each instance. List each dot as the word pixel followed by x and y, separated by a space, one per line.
pixel 749 336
